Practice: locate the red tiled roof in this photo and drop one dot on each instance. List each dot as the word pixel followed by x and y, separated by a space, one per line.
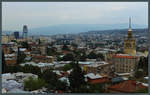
pixel 128 86
pixel 3 46
pixel 123 56
pixel 64 73
pixel 99 80
pixel 59 91
pixel 38 57
pixel 65 52
pixel 10 62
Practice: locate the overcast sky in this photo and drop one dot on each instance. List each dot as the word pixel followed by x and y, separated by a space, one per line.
pixel 40 14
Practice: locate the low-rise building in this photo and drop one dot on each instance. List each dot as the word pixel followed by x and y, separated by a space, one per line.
pixel 42 66
pixel 100 67
pixel 44 59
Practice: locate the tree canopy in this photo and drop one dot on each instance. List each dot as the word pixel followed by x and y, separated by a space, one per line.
pixel 76 78
pixel 31 84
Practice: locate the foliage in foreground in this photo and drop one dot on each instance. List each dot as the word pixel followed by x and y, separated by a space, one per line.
pixel 31 84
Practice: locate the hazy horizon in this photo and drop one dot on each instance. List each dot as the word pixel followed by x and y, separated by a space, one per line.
pixel 43 14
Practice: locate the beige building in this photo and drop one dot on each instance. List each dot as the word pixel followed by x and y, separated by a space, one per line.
pixel 124 63
pixel 100 67
pixel 5 39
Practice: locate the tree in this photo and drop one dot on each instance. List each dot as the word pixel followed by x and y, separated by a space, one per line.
pixel 11 69
pixel 83 57
pixel 50 78
pixel 51 51
pixel 142 90
pixel 52 81
pixel 25 45
pixel 139 73
pixel 31 69
pixel 142 67
pixel 61 85
pixel 68 57
pixel 96 88
pixel 65 47
pixel 3 63
pixel 20 56
pixel 92 55
pixel 67 67
pixel 39 41
pixel 101 56
pixel 76 78
pixel 74 45
pixel 59 58
pixel 31 84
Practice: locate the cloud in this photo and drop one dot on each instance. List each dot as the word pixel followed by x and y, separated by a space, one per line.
pixel 15 14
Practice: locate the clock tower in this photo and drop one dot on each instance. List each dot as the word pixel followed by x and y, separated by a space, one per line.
pixel 129 42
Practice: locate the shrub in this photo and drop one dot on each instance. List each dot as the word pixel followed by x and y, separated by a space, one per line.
pixel 31 84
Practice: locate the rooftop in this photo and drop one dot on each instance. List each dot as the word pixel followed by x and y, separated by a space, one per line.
pixel 93 76
pixel 37 64
pixel 128 86
pixel 124 56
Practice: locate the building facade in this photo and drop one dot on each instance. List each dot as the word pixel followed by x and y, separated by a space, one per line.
pixel 124 63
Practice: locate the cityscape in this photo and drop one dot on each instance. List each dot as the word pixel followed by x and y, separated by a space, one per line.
pixel 94 61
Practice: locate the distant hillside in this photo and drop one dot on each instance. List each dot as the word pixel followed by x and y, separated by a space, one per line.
pixel 120 31
pixel 75 28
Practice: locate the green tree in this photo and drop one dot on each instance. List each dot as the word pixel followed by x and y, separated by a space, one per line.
pixel 67 67
pixel 142 67
pixel 3 63
pixel 20 56
pixel 92 55
pixel 96 88
pixel 51 51
pixel 32 69
pixel 25 45
pixel 76 78
pixel 61 85
pixel 68 57
pixel 59 58
pixel 52 81
pixel 31 84
pixel 83 57
pixel 11 69
pixel 65 47
pixel 101 56
pixel 74 45
pixel 50 78
pixel 142 90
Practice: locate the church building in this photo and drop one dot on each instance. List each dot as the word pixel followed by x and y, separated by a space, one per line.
pixel 129 42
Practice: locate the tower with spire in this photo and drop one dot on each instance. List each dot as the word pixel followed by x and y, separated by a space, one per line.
pixel 129 42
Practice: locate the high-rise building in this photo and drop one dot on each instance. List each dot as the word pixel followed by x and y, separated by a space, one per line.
pixel 129 42
pixel 25 32
pixel 16 35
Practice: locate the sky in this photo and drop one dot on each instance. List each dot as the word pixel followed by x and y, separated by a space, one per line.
pixel 41 14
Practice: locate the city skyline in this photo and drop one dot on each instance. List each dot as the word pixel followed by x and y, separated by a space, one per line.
pixel 17 14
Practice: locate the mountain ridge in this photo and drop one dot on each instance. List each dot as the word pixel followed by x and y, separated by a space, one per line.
pixel 76 28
